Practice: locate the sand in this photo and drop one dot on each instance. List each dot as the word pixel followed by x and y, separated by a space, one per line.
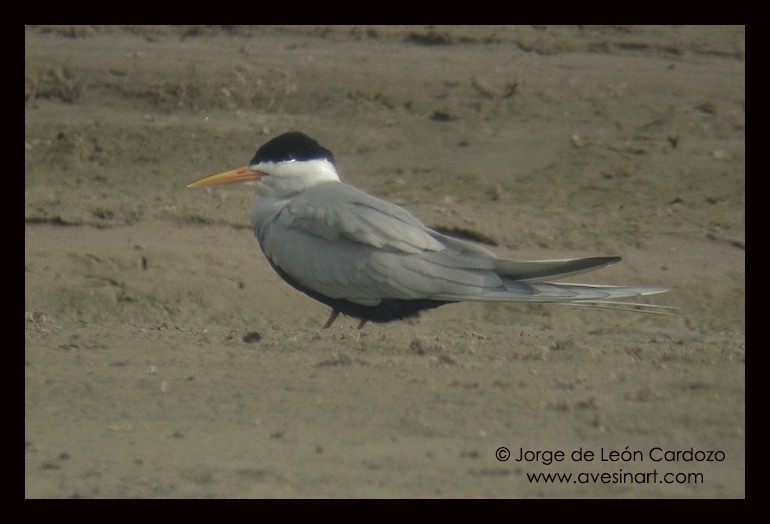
pixel 165 359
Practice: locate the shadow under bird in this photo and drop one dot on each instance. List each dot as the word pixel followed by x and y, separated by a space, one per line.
pixel 373 260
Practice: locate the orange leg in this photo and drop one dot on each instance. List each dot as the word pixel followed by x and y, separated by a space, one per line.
pixel 361 324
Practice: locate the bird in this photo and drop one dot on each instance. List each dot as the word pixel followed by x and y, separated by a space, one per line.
pixel 373 260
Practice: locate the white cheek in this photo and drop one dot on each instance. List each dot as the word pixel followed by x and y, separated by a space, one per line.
pixel 321 169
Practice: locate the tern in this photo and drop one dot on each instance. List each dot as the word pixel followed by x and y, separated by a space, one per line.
pixel 373 260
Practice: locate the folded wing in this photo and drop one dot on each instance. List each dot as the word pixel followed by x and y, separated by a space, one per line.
pixel 340 242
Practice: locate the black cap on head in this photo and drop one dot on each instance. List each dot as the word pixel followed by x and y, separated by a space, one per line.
pixel 291 146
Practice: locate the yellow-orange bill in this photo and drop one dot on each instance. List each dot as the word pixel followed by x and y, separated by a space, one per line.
pixel 234 176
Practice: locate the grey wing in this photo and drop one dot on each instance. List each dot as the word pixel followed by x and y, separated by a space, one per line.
pixel 359 273
pixel 345 244
pixel 334 211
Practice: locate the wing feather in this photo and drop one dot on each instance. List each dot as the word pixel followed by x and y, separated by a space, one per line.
pixel 342 243
pixel 339 210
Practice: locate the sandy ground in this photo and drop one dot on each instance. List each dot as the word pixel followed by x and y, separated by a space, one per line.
pixel 164 358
